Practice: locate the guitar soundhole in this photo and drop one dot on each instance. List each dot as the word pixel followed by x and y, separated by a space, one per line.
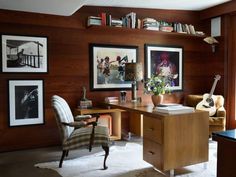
pixel 210 101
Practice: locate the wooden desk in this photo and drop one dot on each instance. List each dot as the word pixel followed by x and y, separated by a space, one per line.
pixel 171 141
pixel 226 152
pixel 116 118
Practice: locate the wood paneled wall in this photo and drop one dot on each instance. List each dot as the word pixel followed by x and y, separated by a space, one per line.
pixel 68 58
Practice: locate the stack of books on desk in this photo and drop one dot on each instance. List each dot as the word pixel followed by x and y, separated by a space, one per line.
pixel 111 100
pixel 173 109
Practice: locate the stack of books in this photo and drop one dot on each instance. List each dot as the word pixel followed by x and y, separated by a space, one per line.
pixel 92 20
pixel 151 24
pixel 111 99
pixel 173 109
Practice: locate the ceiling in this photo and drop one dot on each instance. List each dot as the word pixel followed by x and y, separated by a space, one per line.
pixel 68 7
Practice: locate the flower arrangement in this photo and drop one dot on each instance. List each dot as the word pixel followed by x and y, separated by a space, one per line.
pixel 157 85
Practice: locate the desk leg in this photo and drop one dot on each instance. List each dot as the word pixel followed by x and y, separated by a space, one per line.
pixel 136 123
pixel 116 125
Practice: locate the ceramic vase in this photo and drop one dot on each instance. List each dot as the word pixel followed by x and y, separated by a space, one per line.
pixel 157 99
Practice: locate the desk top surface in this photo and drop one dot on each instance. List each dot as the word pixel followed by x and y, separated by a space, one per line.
pixel 144 108
pixel 228 134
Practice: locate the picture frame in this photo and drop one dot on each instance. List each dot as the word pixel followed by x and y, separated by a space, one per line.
pixel 165 61
pixel 24 54
pixel 107 66
pixel 26 102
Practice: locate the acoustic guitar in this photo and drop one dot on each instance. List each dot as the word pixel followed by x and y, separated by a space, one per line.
pixel 208 101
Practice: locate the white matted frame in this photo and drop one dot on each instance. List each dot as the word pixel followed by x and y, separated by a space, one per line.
pixel 107 66
pixel 165 61
pixel 26 106
pixel 27 54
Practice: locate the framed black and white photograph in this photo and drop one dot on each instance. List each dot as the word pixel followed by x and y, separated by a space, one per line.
pixel 26 54
pixel 165 61
pixel 107 66
pixel 26 106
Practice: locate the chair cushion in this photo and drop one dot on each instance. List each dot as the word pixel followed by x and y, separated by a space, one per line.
pixel 81 137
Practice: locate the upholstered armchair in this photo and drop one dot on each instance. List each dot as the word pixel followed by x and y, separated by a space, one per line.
pixel 76 132
pixel 218 120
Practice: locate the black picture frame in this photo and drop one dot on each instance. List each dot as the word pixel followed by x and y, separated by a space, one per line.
pixel 26 102
pixel 155 57
pixel 24 54
pixel 107 66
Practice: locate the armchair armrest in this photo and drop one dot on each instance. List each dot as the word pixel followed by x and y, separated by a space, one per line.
pixel 75 124
pixel 82 117
pixel 221 112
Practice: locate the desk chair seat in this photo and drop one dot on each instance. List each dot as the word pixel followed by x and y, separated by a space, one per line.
pixel 76 133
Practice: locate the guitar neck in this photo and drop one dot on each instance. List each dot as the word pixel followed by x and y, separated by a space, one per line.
pixel 213 88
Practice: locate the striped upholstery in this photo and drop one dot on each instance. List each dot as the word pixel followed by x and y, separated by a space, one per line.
pixel 81 137
pixel 75 138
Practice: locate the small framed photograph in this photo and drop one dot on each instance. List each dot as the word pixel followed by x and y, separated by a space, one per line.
pixel 26 106
pixel 166 61
pixel 107 66
pixel 25 54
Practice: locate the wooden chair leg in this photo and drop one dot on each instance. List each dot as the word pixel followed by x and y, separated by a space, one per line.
pixel 106 149
pixel 67 153
pixel 62 157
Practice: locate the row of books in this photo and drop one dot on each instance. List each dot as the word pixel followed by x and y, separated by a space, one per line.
pixel 104 19
pixel 173 109
pixel 131 21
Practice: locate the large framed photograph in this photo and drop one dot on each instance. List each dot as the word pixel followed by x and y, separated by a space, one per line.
pixel 166 61
pixel 107 66
pixel 26 106
pixel 26 54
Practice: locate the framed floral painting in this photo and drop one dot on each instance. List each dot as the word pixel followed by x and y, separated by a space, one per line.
pixel 167 62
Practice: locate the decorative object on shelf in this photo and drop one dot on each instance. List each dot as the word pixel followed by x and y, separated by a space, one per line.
pixel 212 41
pixel 24 54
pixel 157 86
pixel 26 102
pixel 167 62
pixel 107 66
pixel 122 96
pixel 134 73
pixel 84 102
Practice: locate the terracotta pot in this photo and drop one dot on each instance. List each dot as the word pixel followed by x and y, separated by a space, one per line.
pixel 157 99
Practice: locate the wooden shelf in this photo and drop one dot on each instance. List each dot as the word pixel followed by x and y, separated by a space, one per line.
pixel 116 118
pixel 132 30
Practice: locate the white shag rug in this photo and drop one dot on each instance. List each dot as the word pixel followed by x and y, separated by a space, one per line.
pixel 127 161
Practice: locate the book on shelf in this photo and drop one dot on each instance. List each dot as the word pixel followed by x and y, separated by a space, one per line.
pixel 174 109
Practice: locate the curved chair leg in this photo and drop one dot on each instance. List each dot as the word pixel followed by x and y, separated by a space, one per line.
pixel 106 149
pixel 67 153
pixel 62 157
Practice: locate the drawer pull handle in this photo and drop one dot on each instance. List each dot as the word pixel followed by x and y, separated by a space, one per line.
pixel 151 153
pixel 151 129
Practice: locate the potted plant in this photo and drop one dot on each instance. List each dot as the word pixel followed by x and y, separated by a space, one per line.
pixel 157 86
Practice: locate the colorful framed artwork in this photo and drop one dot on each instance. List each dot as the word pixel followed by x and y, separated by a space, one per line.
pixel 26 106
pixel 166 61
pixel 24 54
pixel 107 66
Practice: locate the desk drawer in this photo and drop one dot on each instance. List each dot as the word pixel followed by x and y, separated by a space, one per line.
pixel 152 153
pixel 152 129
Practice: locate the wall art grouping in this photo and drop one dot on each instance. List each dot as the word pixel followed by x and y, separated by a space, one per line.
pixel 24 54
pixel 26 103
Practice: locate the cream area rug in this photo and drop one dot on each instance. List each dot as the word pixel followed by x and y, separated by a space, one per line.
pixel 127 161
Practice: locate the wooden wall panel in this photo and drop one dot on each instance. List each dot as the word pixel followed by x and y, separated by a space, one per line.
pixel 68 55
